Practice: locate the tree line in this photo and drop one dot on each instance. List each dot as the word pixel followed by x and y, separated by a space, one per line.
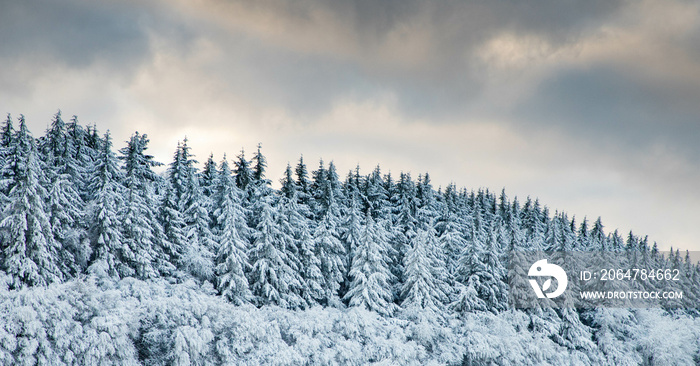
pixel 73 206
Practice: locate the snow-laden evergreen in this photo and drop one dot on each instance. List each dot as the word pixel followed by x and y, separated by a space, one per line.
pixel 232 257
pixel 30 252
pixel 142 248
pixel 370 276
pixel 423 286
pixel 274 278
pixel 106 200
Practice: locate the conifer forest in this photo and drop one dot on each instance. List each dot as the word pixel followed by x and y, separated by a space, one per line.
pixel 109 257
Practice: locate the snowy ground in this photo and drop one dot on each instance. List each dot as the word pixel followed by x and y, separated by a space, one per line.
pixel 155 323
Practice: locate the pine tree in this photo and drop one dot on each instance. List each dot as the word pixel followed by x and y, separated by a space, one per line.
pixel 274 278
pixel 66 215
pixel 376 194
pixel 303 183
pixel 6 169
pixel 209 176
pixel 424 287
pixel 451 240
pixel 493 291
pixel 78 156
pixel 331 253
pixel 351 234
pixel 295 224
pixel 106 200
pixel 173 223
pixel 583 240
pixel 243 173
pixel 201 243
pixel 232 257
pixel 142 250
pixel 597 237
pixel 54 144
pixel 260 167
pixel 65 172
pixel 30 253
pixel 371 280
pixel 178 176
pixel 197 246
pixel 8 131
pixel 289 187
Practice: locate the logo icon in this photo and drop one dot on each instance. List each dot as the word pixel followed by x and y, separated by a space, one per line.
pixel 543 269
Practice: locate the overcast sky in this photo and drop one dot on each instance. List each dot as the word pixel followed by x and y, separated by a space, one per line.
pixel 592 106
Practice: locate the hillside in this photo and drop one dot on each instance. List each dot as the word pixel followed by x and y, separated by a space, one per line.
pixel 105 261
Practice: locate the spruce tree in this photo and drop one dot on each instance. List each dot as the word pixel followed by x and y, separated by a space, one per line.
pixel 174 226
pixel 331 254
pixel 232 258
pixel 423 287
pixel 105 202
pixel 303 183
pixel 142 249
pixel 370 285
pixel 209 176
pixel 30 252
pixel 274 278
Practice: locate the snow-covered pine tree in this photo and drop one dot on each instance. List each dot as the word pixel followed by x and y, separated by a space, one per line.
pixel 66 214
pixel 178 177
pixel 30 253
pixel 53 145
pixel 303 183
pixel 302 253
pixel 78 156
pixel 201 244
pixel 331 254
pixel 105 201
pixel 423 287
pixel 6 171
pixel 274 278
pixel 452 240
pixel 178 190
pixel 65 174
pixel 350 234
pixel 232 258
pixel 583 241
pixel 534 225
pixel 404 226
pixel 243 173
pixel 260 167
pixel 327 246
pixel 376 195
pixel 480 267
pixel 299 227
pixel 209 176
pixel 598 240
pixel 428 207
pixel 370 286
pixel 318 189
pixel 142 250
pixel 7 132
pixel 174 226
pixel 494 291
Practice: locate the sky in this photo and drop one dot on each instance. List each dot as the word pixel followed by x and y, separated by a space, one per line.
pixel 590 106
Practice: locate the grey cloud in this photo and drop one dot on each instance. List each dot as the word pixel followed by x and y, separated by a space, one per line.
pixel 421 51
pixel 608 106
pixel 41 37
pixel 74 32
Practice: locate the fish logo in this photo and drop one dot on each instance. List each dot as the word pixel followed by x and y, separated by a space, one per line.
pixel 543 269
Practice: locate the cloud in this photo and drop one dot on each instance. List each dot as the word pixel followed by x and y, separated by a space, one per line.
pixel 590 105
